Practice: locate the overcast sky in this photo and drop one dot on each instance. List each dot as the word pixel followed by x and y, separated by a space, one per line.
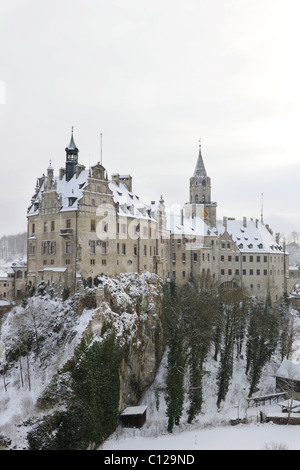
pixel 154 77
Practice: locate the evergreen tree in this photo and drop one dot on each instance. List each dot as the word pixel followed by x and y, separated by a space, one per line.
pixel 233 324
pixel 263 335
pixel 172 322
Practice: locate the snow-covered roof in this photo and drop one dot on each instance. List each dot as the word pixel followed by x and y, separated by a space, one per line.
pixel 129 204
pixel 65 189
pixel 250 236
pixel 134 410
pixel 289 370
pixel 189 226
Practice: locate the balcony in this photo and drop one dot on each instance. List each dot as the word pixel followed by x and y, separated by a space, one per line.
pixel 66 232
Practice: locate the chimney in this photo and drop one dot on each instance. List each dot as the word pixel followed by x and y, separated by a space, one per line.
pixel 62 172
pixel 225 222
pixel 79 169
pixel 181 216
pixel 244 221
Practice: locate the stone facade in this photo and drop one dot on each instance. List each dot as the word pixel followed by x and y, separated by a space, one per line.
pixel 13 280
pixel 82 224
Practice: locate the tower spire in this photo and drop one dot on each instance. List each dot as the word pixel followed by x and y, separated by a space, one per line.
pixel 200 171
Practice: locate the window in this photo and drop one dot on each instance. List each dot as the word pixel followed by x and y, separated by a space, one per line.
pixel 229 258
pixel 93 225
pixel 104 248
pixel 31 249
pixel 244 259
pixel 93 202
pixel 52 248
pixel 195 257
pixel 68 248
pixel 68 261
pixel 118 248
pixel 92 261
pixel 145 250
pixel 222 272
pixel 265 259
pixel 258 259
pixel 183 257
pixel 68 223
pixel 237 272
pixel 135 250
pixel 237 259
pixel 173 257
pixel 258 272
pixel 33 228
pixel 229 272
pixel 72 200
pixel 104 262
pixel 244 272
pixel 251 259
pixel 222 258
pixel 45 227
pixel 104 226
pixel 123 249
pixel 52 225
pixel 92 247
pixel 183 274
pixel 251 272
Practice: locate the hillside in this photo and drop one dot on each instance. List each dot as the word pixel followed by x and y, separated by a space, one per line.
pixel 63 361
pixel 73 365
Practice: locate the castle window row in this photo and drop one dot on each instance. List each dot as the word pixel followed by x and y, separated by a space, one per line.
pixel 251 272
pixel 251 258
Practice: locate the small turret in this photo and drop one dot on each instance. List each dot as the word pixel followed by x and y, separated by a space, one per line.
pixel 71 158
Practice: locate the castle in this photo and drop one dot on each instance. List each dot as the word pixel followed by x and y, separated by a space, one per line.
pixel 82 224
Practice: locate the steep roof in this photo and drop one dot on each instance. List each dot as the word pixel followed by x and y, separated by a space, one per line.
pixel 200 171
pixel 129 204
pixel 250 236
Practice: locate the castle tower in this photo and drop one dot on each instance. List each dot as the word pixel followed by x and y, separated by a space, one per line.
pixel 71 158
pixel 200 193
pixel 200 187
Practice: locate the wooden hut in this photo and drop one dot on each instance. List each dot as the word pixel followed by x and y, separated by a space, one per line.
pixel 288 378
pixel 133 416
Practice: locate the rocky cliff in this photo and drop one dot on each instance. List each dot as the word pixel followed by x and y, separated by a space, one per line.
pixel 77 364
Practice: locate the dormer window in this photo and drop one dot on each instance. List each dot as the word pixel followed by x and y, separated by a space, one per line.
pixel 72 200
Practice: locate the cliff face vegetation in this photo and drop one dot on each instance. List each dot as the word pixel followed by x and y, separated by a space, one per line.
pixel 72 366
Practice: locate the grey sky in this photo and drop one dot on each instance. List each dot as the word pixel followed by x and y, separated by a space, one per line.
pixel 153 77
